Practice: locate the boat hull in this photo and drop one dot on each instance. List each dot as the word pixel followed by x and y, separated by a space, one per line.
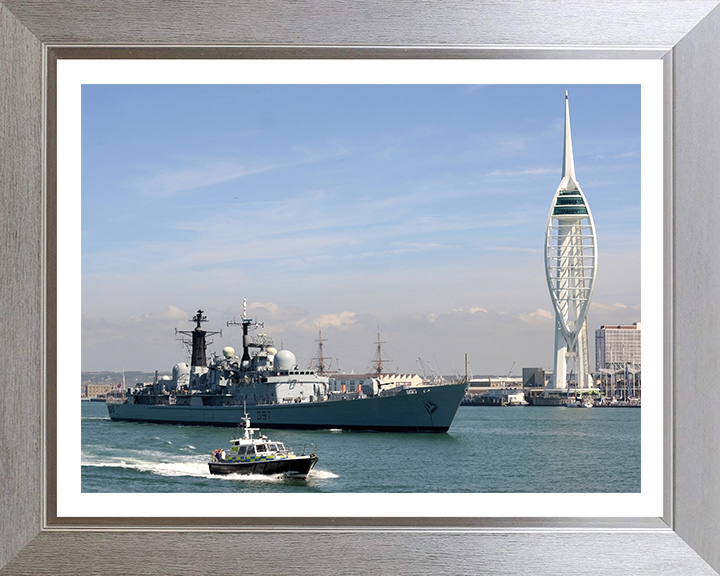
pixel 417 409
pixel 298 467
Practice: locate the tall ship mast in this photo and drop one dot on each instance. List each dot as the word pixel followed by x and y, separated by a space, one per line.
pixel 318 363
pixel 378 359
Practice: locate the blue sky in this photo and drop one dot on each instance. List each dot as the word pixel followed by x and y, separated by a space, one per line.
pixel 420 209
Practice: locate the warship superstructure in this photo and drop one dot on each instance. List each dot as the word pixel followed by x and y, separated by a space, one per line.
pixel 278 393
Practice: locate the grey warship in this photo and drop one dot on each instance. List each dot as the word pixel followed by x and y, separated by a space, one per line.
pixel 278 393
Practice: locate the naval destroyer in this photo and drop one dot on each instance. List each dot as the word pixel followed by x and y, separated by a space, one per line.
pixel 278 393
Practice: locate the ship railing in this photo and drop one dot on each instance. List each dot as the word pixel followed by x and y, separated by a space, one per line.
pixel 309 446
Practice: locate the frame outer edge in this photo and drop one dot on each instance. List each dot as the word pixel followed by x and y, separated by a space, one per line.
pixel 696 166
pixel 21 280
pixel 19 177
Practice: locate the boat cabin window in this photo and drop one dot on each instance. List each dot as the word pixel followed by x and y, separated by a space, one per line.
pixel 261 448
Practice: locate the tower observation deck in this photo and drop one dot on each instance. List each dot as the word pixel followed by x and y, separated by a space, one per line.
pixel 570 266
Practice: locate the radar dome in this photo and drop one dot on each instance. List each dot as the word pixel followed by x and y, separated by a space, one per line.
pixel 228 351
pixel 165 378
pixel 272 351
pixel 284 360
pixel 180 369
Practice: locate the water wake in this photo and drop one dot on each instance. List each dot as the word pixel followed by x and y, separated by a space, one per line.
pixel 162 469
pixel 196 469
pixel 316 474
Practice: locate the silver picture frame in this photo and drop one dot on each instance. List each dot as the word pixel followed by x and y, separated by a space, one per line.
pixel 685 34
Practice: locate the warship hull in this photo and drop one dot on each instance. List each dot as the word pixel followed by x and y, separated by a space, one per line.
pixel 416 409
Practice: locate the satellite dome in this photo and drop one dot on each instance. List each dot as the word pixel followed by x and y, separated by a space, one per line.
pixel 228 351
pixel 284 360
pixel 165 377
pixel 180 369
pixel 272 350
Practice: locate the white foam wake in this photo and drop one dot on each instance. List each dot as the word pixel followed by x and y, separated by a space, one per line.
pixel 316 474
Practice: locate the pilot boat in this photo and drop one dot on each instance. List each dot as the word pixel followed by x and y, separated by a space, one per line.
pixel 250 455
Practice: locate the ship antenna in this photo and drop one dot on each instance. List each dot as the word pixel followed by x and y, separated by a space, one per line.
pixel 246 324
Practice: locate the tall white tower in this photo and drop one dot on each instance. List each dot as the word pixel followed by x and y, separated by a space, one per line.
pixel 570 266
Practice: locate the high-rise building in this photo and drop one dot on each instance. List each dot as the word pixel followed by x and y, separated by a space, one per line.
pixel 570 266
pixel 617 346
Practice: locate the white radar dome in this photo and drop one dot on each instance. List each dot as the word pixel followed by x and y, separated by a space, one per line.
pixel 179 369
pixel 284 360
pixel 228 351
pixel 272 351
pixel 165 378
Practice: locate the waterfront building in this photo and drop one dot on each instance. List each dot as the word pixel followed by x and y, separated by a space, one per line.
pixel 618 345
pixel 570 266
pixel 95 390
pixel 533 377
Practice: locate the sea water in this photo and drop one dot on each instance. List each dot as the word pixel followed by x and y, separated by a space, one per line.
pixel 487 449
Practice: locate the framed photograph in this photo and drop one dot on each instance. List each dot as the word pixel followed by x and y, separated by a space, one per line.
pixel 296 186
pixel 669 524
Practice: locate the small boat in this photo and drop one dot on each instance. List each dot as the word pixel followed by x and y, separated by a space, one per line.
pixel 249 455
pixel 578 404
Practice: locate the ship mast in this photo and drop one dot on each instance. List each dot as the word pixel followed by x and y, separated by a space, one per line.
pixel 320 364
pixel 378 356
pixel 199 344
pixel 246 324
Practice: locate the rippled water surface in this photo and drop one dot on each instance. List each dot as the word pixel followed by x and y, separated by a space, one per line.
pixel 488 449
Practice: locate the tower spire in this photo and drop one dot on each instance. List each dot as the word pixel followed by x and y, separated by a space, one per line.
pixel 568 162
pixel 570 267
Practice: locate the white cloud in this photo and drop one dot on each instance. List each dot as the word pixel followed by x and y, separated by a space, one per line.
pixel 613 307
pixel 478 309
pixel 336 320
pixel 169 182
pixel 527 172
pixel 539 315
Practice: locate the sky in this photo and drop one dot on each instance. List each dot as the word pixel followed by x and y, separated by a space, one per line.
pixel 415 211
